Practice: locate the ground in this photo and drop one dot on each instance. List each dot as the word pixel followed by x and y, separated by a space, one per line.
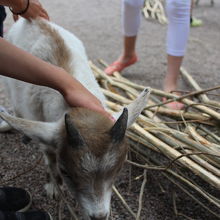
pixel 97 24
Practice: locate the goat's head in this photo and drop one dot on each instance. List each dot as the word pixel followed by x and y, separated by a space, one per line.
pixel 91 157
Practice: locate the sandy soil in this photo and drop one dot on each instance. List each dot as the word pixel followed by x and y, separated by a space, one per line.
pixel 97 24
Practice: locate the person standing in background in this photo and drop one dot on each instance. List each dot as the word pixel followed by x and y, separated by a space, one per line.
pixel 178 13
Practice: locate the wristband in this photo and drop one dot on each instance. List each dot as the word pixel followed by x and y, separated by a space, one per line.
pixel 23 11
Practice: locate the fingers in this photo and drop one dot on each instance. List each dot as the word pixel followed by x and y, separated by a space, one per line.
pixel 35 10
pixel 99 108
pixel 44 15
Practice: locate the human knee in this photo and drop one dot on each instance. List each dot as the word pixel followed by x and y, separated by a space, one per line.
pixel 178 9
pixel 134 3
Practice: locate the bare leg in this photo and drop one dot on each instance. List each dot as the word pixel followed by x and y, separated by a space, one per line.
pixel 127 58
pixel 128 50
pixel 178 13
pixel 173 70
pixel 131 19
pixel 171 79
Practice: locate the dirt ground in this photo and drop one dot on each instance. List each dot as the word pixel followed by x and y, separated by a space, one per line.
pixel 97 24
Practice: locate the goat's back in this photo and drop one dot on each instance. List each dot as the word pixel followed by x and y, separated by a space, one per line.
pixel 55 45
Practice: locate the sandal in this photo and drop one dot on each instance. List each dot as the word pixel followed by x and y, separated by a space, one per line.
pixel 118 66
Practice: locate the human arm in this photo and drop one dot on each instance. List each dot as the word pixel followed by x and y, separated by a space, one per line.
pixel 34 10
pixel 18 64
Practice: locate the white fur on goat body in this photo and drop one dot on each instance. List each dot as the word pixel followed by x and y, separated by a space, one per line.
pixel 29 36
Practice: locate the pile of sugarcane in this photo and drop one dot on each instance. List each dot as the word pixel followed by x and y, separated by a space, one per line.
pixel 154 9
pixel 189 139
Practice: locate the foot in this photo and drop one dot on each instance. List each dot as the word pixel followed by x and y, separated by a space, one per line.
pixel 120 64
pixel 14 199
pixel 195 22
pixel 52 191
pixel 174 105
pixel 30 215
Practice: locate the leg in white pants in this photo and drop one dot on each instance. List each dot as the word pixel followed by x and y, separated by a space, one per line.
pixel 178 13
pixel 131 19
pixel 131 16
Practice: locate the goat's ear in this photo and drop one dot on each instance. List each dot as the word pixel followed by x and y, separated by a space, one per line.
pixel 73 135
pixel 118 130
pixel 136 107
pixel 40 131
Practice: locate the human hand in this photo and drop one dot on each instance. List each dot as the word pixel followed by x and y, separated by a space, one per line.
pixel 34 10
pixel 81 97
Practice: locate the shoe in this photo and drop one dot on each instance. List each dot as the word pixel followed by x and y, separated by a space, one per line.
pixel 118 66
pixel 14 199
pixel 30 215
pixel 195 22
pixel 174 105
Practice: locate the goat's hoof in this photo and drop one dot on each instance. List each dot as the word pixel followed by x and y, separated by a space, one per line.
pixel 52 191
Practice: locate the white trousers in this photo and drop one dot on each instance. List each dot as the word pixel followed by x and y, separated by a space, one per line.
pixel 178 13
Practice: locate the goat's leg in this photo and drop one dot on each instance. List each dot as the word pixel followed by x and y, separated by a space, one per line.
pixel 4 126
pixel 53 177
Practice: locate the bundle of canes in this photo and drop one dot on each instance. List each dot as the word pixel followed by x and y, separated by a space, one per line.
pixel 189 139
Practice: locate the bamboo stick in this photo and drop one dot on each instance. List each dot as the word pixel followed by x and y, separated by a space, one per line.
pixel 123 201
pixel 168 141
pixel 173 97
pixel 188 102
pixel 204 164
pixel 172 153
pixel 193 83
pixel 181 178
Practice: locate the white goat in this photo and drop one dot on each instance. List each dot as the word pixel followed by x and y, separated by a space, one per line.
pixel 81 147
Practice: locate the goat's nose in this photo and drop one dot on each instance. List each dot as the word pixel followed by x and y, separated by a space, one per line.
pixel 99 217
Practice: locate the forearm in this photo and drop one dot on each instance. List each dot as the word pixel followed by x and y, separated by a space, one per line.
pixel 21 65
pixel 29 9
pixel 12 3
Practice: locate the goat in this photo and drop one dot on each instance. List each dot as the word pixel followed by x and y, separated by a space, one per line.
pixel 82 148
